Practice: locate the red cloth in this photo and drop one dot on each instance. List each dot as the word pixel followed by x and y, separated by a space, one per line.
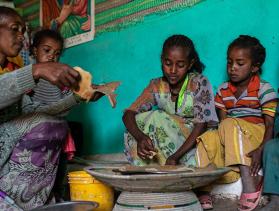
pixel 69 146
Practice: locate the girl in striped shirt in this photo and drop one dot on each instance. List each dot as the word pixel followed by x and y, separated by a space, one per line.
pixel 246 107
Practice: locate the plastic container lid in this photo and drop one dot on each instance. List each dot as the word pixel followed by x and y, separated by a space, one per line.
pixel 81 177
pixel 79 174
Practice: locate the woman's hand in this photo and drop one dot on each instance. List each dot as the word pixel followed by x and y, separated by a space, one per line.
pixel 58 74
pixel 144 147
pixel 256 161
pixel 172 160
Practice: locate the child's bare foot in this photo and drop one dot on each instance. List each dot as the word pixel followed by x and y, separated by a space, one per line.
pixel 252 188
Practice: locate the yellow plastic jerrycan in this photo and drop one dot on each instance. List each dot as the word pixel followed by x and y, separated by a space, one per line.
pixel 84 187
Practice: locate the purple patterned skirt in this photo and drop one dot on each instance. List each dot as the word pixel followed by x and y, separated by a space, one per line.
pixel 29 174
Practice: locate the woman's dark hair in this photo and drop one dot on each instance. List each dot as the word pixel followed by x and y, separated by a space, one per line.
pixel 7 12
pixel 45 33
pixel 257 50
pixel 184 42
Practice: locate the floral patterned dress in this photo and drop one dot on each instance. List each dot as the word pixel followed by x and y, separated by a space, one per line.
pixel 165 123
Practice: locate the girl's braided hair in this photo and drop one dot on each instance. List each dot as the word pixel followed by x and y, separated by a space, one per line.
pixel 184 42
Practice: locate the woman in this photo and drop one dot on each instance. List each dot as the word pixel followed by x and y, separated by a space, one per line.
pixel 30 135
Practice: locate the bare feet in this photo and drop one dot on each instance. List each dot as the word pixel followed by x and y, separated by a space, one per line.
pixel 251 191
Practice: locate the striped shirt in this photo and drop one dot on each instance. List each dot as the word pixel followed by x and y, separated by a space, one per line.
pixel 47 94
pixel 257 100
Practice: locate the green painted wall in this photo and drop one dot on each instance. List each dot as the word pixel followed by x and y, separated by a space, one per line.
pixel 132 55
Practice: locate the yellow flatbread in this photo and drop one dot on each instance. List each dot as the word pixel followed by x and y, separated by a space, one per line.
pixel 85 90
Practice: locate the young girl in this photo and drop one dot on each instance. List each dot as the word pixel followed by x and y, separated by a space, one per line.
pixel 172 111
pixel 246 107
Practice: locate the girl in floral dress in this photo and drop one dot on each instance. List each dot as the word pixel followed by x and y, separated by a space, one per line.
pixel 172 111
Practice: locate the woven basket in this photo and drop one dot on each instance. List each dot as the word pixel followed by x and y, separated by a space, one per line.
pixel 180 201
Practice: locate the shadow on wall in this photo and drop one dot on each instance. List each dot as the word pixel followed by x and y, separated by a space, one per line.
pixel 80 115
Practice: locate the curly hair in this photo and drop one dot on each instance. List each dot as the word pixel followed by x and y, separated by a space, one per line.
pixel 187 43
pixel 257 50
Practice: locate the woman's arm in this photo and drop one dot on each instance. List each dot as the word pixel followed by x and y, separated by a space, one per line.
pixel 144 143
pixel 190 143
pixel 14 85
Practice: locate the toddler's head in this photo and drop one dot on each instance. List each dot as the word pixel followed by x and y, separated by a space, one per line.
pixel 47 46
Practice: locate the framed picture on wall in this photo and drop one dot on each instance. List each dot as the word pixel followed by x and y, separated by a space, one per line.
pixel 73 18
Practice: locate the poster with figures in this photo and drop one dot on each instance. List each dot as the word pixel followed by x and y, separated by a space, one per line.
pixel 73 18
